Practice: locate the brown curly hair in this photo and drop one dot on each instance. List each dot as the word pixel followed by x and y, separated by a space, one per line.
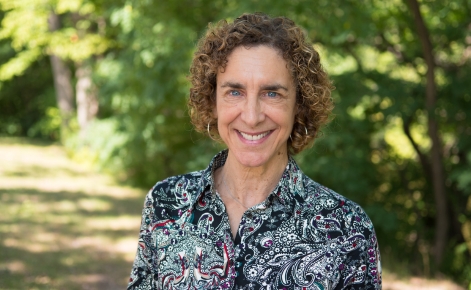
pixel 313 87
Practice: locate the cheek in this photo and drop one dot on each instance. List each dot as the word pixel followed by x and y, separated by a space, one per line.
pixel 292 111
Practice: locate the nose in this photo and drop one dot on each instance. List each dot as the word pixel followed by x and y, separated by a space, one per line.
pixel 253 111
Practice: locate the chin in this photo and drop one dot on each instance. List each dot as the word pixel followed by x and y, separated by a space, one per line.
pixel 252 159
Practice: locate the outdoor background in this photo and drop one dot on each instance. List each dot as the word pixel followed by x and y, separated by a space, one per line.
pixel 93 113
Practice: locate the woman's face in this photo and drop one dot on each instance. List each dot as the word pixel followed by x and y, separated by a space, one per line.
pixel 255 106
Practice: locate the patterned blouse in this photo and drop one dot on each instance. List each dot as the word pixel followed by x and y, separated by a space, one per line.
pixel 303 236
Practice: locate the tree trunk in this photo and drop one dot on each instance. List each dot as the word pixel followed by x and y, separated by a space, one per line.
pixel 438 175
pixel 87 101
pixel 62 80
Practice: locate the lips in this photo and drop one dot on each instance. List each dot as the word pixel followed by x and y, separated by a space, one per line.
pixel 255 137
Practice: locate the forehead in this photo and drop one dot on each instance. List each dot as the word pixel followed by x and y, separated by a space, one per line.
pixel 249 48
pixel 261 62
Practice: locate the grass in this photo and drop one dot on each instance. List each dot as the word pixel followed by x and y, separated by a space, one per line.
pixel 61 225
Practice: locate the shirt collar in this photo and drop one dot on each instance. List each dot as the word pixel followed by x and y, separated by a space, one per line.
pixel 290 187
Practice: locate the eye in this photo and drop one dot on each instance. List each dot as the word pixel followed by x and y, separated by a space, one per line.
pixel 234 93
pixel 272 94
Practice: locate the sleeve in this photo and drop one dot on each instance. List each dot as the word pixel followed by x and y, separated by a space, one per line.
pixel 143 273
pixel 362 266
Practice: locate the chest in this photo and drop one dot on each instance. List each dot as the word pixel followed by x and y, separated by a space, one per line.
pixel 272 247
pixel 235 213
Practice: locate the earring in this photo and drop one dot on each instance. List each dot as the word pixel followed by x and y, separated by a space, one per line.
pixel 305 130
pixel 209 133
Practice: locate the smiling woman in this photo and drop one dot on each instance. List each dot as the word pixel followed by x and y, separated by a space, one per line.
pixel 255 110
pixel 252 219
pixel 255 107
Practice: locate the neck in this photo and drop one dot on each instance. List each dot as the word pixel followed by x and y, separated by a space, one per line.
pixel 251 185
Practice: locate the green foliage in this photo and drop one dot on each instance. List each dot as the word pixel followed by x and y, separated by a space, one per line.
pixel 49 125
pixel 24 102
pixel 25 40
pixel 31 39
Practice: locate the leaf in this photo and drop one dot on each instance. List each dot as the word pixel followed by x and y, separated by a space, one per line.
pixel 17 65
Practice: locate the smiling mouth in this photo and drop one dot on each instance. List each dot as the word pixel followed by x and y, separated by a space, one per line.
pixel 254 137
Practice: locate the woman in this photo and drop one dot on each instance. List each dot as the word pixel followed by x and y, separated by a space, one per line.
pixel 252 219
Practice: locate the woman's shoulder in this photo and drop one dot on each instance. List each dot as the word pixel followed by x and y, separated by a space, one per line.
pixel 325 203
pixel 179 180
pixel 179 190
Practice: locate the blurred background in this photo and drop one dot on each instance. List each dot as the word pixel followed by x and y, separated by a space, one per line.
pixel 93 112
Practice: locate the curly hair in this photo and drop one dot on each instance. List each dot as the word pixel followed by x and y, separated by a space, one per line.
pixel 313 87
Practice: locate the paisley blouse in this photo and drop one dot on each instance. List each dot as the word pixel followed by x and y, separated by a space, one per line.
pixel 303 236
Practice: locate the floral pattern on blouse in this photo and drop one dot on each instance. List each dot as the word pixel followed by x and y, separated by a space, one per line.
pixel 303 236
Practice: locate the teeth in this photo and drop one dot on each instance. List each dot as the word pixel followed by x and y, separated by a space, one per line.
pixel 254 137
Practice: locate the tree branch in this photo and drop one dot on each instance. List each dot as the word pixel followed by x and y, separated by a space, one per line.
pixel 424 161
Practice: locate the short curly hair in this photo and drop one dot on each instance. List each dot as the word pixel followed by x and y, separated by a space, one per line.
pixel 313 87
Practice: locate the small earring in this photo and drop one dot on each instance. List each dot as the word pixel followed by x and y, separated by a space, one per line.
pixel 209 133
pixel 305 129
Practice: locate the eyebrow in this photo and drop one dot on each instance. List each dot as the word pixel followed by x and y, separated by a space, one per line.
pixel 232 85
pixel 272 87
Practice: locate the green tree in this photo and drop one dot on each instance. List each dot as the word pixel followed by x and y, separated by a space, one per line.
pixel 45 34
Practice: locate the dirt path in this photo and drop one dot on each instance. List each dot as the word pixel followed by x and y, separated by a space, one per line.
pixel 64 227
